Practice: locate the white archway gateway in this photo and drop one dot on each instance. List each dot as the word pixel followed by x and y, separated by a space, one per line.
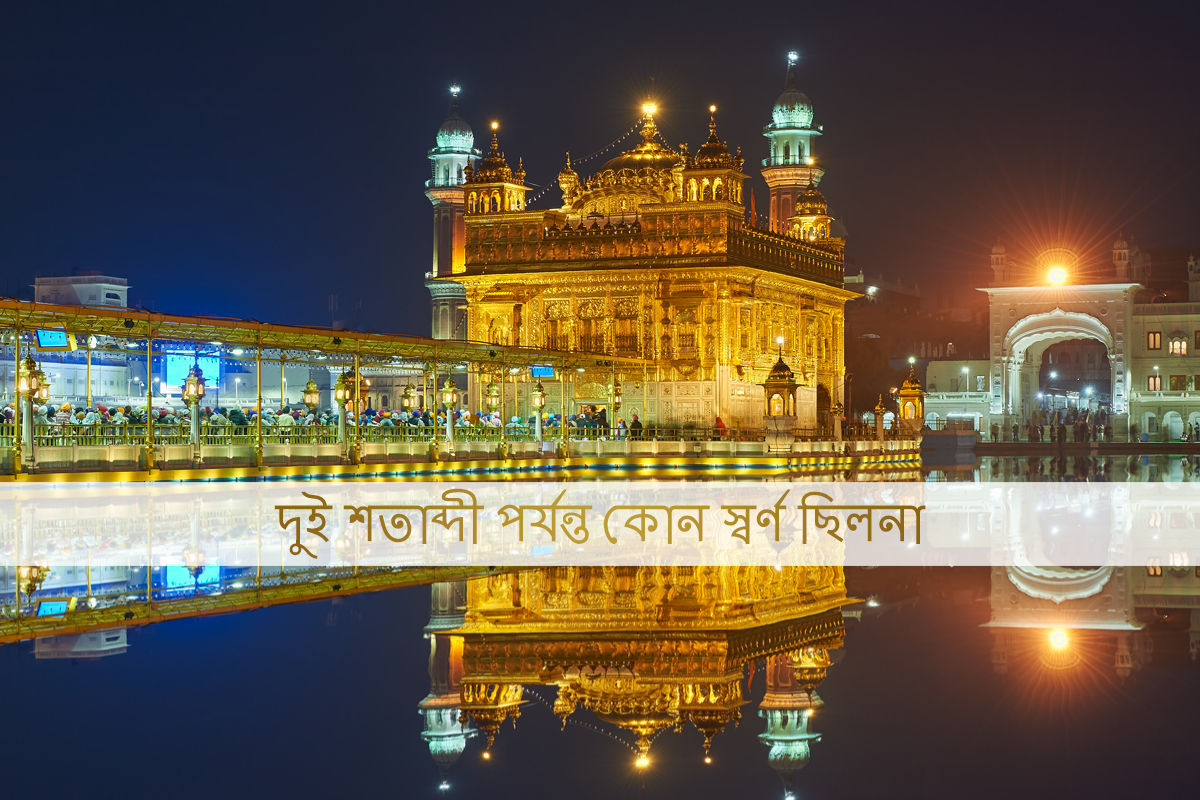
pixel 1025 320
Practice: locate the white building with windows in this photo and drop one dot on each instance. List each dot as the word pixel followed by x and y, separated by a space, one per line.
pixel 1046 318
pixel 84 288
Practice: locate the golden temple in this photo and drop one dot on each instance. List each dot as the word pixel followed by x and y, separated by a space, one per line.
pixel 653 256
pixel 647 649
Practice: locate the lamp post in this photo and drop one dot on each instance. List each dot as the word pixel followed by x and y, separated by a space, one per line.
pixel 449 399
pixel 538 398
pixel 236 402
pixel 31 386
pixel 193 393
pixel 341 396
pixel 493 397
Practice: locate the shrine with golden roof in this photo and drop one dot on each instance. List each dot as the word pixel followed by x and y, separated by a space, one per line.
pixel 654 256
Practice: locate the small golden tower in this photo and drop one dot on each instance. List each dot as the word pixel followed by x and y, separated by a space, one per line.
pixel 911 399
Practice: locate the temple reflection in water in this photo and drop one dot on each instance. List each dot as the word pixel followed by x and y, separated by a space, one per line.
pixel 644 649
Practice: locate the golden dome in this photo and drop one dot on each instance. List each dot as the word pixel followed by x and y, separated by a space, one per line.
pixel 911 383
pixel 812 202
pixel 781 373
pixel 714 153
pixel 647 155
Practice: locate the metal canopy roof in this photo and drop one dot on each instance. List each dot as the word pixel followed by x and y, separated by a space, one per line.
pixel 294 343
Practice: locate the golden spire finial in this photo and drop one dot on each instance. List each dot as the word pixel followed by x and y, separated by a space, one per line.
pixel 568 159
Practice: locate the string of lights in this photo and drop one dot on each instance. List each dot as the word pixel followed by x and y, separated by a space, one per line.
pixel 580 723
pixel 608 147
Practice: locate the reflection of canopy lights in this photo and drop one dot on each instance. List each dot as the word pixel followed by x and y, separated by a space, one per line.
pixel 1058 639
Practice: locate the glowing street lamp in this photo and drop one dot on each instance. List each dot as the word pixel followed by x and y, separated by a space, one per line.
pixel 538 398
pixel 193 393
pixel 450 400
pixel 493 396
pixel 408 399
pixel 1057 275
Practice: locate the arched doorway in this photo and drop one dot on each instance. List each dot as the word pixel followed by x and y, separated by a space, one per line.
pixel 1172 426
pixel 1031 326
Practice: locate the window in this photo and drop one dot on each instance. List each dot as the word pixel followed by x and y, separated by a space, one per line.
pixel 1154 383
pixel 1178 347
pixel 111 296
pixel 1177 383
pixel 1154 340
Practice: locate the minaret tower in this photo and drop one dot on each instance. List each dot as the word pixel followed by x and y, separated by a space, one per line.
pixel 449 161
pixel 792 166
pixel 446 732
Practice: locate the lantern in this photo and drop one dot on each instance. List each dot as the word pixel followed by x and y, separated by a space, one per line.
pixel 30 377
pixel 30 578
pixel 341 389
pixel 408 400
pixel 449 392
pixel 539 396
pixel 615 393
pixel 312 395
pixel 193 560
pixel 193 385
pixel 493 396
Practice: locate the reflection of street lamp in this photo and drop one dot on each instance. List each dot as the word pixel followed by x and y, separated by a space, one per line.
pixel 30 578
pixel 1053 375
pixel 193 560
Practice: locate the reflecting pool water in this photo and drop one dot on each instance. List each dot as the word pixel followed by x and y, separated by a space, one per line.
pixel 814 682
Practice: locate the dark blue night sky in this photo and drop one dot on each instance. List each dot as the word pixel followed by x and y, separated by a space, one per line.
pixel 250 159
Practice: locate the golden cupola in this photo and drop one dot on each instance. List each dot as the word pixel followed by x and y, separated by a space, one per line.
pixel 645 174
pixel 713 173
pixel 491 185
pixel 568 181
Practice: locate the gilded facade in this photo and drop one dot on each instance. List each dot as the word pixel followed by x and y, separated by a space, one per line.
pixel 653 256
pixel 645 649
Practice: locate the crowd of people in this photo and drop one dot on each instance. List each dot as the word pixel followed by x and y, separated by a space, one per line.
pixel 1060 425
pixel 82 419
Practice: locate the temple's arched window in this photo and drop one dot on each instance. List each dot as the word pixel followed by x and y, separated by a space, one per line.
pixel 471 203
pixel 718 189
pixel 787 151
pixel 707 190
pixel 460 178
pixel 692 189
pixel 495 202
